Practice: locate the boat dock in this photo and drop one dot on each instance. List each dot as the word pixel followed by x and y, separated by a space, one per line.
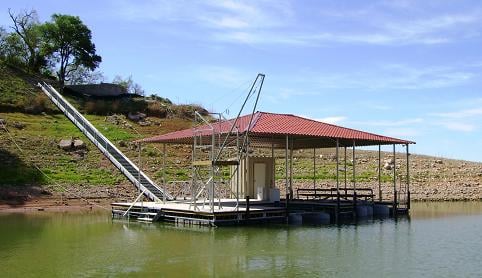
pixel 235 170
pixel 233 212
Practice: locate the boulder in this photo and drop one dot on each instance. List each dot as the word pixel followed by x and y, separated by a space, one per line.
pixel 79 144
pixel 144 123
pixel 66 144
pixel 439 161
pixel 18 125
pixel 136 117
pixel 114 119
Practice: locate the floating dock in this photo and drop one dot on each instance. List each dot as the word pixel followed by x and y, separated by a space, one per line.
pixel 230 212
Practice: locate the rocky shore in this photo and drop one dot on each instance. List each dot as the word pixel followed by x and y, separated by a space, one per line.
pixel 431 179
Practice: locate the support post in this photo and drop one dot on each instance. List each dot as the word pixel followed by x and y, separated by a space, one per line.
pixel 211 185
pixel 354 163
pixel 337 180
pixel 291 169
pixel 408 179
pixel 238 168
pixel 314 168
pixel 380 173
pixel 337 168
pixel 286 167
pixel 164 154
pixel 139 172
pixel 394 183
pixel 193 178
pixel 274 165
pixel 346 170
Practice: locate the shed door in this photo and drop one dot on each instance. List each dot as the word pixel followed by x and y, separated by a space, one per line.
pixel 259 180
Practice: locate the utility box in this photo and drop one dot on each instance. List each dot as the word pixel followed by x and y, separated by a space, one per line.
pixel 255 178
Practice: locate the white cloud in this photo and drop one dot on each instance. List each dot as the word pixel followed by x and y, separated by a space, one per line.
pixel 328 120
pixel 458 126
pixel 396 76
pixel 228 77
pixel 466 113
pixel 332 120
pixel 401 132
pixel 271 22
pixel 384 123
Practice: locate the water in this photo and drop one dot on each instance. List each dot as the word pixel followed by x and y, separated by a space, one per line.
pixel 439 240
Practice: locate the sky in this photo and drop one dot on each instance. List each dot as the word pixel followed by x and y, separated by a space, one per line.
pixel 407 69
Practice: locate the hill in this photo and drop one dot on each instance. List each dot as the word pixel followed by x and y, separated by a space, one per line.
pixel 39 168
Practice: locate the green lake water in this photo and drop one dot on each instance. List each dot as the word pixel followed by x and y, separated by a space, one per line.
pixel 438 240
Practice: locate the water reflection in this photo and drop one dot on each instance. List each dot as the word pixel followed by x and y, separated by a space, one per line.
pixel 431 241
pixel 421 210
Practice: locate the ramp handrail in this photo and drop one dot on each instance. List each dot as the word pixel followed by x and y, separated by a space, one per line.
pixel 99 140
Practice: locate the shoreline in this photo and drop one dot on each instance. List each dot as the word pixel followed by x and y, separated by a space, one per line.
pixel 55 205
pixel 104 204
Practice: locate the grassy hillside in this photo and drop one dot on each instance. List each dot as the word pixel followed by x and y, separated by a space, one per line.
pixel 88 173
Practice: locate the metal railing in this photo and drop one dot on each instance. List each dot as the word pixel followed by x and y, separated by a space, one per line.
pixel 104 145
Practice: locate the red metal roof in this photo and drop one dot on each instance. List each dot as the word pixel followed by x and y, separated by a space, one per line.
pixel 277 126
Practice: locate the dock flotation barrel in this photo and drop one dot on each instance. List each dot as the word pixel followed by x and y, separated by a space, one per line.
pixel 295 218
pixel 381 210
pixel 316 218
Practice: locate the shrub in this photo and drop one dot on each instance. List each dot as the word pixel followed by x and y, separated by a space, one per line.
pixel 37 104
pixel 157 109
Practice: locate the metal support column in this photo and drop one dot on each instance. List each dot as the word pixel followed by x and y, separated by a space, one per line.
pixel 394 183
pixel 354 181
pixel 164 155
pixel 139 172
pixel 380 173
pixel 194 176
pixel 139 169
pixel 211 184
pixel 346 170
pixel 337 168
pixel 337 181
pixel 286 167
pixel 314 168
pixel 238 168
pixel 408 179
pixel 354 163
pixel 291 169
pixel 274 164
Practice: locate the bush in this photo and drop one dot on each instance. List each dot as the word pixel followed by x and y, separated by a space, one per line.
pixel 186 111
pixel 157 109
pixel 37 104
pixel 119 106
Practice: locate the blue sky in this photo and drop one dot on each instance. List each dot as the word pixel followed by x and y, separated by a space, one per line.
pixel 409 69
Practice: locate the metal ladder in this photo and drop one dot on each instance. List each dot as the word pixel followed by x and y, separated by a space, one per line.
pixel 124 164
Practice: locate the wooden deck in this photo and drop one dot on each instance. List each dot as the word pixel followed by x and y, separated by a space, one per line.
pixel 225 212
pixel 340 207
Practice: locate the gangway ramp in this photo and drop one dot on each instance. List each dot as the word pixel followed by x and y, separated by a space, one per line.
pixel 140 180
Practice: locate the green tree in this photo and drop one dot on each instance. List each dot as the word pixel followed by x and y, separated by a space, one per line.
pixel 12 50
pixel 68 41
pixel 26 40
